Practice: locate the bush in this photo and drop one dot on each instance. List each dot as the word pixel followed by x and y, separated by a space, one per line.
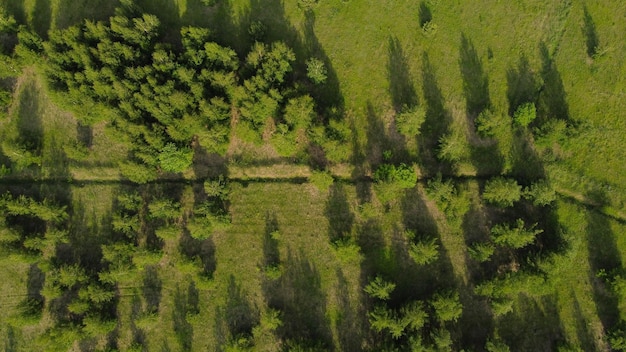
pixel 502 192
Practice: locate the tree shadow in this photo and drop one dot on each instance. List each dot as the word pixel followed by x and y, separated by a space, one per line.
pixel 522 85
pixel 475 80
pixel 33 304
pixel 11 342
pixel 151 289
pixel 28 114
pixel 72 12
pixel 604 257
pixel 339 214
pixel 591 34
pixel 239 313
pixel 182 328
pixel 208 165
pixel 16 9
pixel 327 95
pixel 401 88
pixel 201 251
pixel 552 98
pixel 42 17
pixel 302 302
pixel 425 15
pixel 534 325
pixel 437 121
pixel 84 135
pixel 585 337
pixel 271 253
pixel 351 327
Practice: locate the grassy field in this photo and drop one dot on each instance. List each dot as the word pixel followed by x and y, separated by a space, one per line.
pixel 280 251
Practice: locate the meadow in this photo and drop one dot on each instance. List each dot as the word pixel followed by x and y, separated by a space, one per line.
pixel 252 250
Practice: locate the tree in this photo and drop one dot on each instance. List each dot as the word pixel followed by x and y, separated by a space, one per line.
pixel 379 288
pixel 424 252
pixel 525 114
pixel 516 236
pixel 502 192
pixel 174 159
pixel 541 193
pixel 409 121
pixel 316 71
pixel 447 306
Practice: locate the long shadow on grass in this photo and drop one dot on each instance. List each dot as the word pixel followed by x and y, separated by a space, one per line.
pixel 33 304
pixel 271 253
pixel 522 83
pixel 299 296
pixel 351 326
pixel 585 336
pixel 604 257
pixel 202 251
pixel 239 314
pixel 328 95
pixel 475 80
pixel 485 156
pixel 534 325
pixel 552 98
pixel 339 214
pixel 182 328
pixel 42 17
pixel 151 289
pixel 590 32
pixel 72 12
pixel 401 87
pixel 437 121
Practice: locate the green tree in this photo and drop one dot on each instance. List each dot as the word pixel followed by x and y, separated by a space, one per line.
pixel 316 71
pixel 379 288
pixel 541 193
pixel 447 306
pixel 516 236
pixel 409 121
pixel 424 252
pixel 502 192
pixel 525 114
pixel 174 159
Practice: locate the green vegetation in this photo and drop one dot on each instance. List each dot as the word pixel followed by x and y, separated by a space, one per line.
pixel 247 175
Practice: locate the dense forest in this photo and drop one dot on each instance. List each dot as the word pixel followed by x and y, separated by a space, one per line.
pixel 312 175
